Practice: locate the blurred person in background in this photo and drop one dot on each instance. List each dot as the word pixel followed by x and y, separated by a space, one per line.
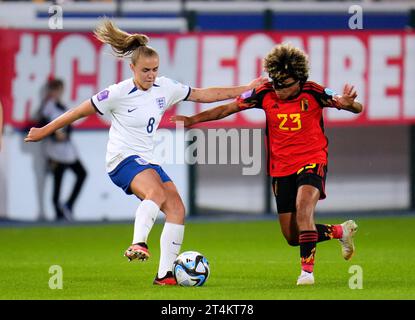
pixel 136 107
pixel 297 148
pixel 60 151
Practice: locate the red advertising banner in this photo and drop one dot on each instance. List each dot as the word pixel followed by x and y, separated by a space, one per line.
pixel 381 65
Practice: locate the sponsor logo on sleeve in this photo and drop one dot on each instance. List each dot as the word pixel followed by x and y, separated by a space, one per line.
pixel 247 94
pixel 103 95
pixel 330 92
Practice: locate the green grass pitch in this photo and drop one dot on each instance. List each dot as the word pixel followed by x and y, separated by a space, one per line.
pixel 248 260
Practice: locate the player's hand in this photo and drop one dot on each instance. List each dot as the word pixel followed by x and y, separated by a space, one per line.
pixel 35 134
pixel 348 97
pixel 257 82
pixel 187 121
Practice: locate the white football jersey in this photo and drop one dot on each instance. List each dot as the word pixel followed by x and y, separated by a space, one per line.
pixel 135 116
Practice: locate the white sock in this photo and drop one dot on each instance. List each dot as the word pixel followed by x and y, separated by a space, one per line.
pixel 170 243
pixel 145 216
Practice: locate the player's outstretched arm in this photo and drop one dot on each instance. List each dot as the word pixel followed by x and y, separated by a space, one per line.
pixel 83 110
pixel 216 113
pixel 347 100
pixel 214 94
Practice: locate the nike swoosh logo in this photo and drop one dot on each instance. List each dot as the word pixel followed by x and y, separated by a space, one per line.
pixel 177 244
pixel 131 110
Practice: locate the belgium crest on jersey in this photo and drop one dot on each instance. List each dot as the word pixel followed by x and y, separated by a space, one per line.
pixel 304 104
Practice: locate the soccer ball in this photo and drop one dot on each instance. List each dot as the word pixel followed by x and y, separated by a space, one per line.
pixel 191 269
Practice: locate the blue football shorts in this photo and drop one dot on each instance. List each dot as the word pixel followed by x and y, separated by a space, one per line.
pixel 125 172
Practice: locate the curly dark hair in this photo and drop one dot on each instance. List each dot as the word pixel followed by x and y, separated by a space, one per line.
pixel 285 61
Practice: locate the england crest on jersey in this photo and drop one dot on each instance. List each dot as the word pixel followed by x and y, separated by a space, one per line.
pixel 161 102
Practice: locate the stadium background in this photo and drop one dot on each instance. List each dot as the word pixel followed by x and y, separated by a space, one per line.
pixel 371 155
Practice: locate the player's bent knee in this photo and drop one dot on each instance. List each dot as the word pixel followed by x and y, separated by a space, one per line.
pixel 303 206
pixel 175 211
pixel 157 195
pixel 178 209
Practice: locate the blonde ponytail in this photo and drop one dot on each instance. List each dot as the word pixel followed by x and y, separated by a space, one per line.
pixel 123 43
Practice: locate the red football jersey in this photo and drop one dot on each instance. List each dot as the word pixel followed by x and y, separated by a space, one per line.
pixel 295 127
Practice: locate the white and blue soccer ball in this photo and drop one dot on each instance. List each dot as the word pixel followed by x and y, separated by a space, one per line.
pixel 191 269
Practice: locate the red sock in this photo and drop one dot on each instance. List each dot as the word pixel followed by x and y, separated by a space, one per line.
pixel 329 231
pixel 308 241
pixel 337 231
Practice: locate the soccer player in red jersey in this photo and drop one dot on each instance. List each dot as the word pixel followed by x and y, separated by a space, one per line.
pixel 297 148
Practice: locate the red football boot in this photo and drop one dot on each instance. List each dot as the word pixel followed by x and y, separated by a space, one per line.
pixel 137 251
pixel 167 280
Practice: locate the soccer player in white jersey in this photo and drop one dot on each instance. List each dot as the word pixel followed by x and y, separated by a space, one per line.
pixel 136 106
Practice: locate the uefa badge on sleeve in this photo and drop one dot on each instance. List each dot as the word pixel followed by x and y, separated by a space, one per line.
pixel 103 95
pixel 247 94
